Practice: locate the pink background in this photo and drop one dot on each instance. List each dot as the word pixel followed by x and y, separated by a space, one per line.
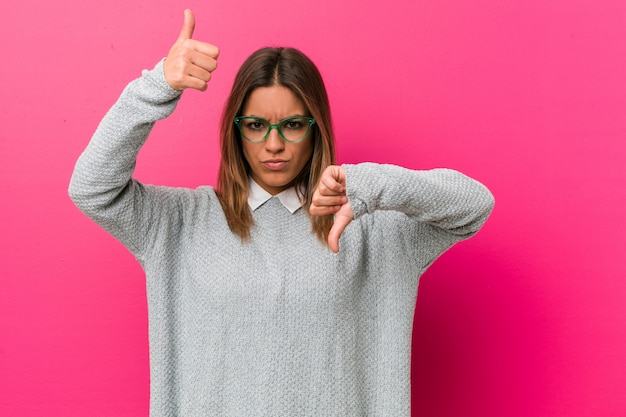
pixel 528 96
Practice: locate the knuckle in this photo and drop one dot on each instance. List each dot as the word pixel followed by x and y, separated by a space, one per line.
pixel 185 53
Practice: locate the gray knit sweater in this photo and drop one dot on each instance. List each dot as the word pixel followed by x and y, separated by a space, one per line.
pixel 279 326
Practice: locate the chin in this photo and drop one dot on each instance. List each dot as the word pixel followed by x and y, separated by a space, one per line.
pixel 278 181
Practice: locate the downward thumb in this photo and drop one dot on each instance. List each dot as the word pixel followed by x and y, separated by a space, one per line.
pixel 340 224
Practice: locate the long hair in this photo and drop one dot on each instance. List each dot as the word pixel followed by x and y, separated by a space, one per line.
pixel 290 68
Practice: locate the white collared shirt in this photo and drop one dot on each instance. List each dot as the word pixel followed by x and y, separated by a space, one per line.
pixel 258 196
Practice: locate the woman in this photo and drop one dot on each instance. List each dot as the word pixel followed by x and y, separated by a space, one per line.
pixel 253 309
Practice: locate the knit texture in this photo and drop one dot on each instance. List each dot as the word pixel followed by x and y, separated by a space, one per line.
pixel 278 326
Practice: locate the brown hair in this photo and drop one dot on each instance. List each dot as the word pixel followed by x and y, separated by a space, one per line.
pixel 267 67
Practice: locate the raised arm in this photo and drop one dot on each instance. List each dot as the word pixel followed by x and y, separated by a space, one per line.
pixel 102 185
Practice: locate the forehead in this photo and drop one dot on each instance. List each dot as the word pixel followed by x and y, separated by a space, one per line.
pixel 274 102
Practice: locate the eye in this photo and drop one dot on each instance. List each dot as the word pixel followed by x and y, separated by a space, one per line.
pixel 255 125
pixel 293 124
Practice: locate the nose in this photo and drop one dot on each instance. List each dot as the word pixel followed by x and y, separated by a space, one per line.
pixel 274 143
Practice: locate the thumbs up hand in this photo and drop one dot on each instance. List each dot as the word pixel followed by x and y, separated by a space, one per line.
pixel 189 63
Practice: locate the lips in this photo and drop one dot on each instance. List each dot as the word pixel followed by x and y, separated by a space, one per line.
pixel 274 164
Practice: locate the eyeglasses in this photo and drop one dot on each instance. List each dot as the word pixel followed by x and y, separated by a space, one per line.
pixel 291 129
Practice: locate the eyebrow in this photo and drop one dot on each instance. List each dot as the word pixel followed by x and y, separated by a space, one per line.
pixel 261 117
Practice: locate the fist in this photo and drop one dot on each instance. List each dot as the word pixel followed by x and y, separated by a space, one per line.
pixel 330 198
pixel 189 63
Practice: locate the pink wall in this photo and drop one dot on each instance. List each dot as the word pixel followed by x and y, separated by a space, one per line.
pixel 528 96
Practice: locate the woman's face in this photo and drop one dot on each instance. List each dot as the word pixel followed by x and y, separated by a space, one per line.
pixel 275 163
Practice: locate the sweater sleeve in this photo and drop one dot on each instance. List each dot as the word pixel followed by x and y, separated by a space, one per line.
pixel 101 185
pixel 454 205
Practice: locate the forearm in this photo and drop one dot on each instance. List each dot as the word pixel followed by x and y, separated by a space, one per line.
pixel 105 168
pixel 442 198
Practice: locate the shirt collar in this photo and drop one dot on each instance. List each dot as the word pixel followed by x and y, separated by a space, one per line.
pixel 258 196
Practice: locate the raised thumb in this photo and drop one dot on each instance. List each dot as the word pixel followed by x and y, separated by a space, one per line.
pixel 188 26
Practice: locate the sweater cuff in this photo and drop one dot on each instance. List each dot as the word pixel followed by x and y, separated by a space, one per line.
pixel 359 207
pixel 156 77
